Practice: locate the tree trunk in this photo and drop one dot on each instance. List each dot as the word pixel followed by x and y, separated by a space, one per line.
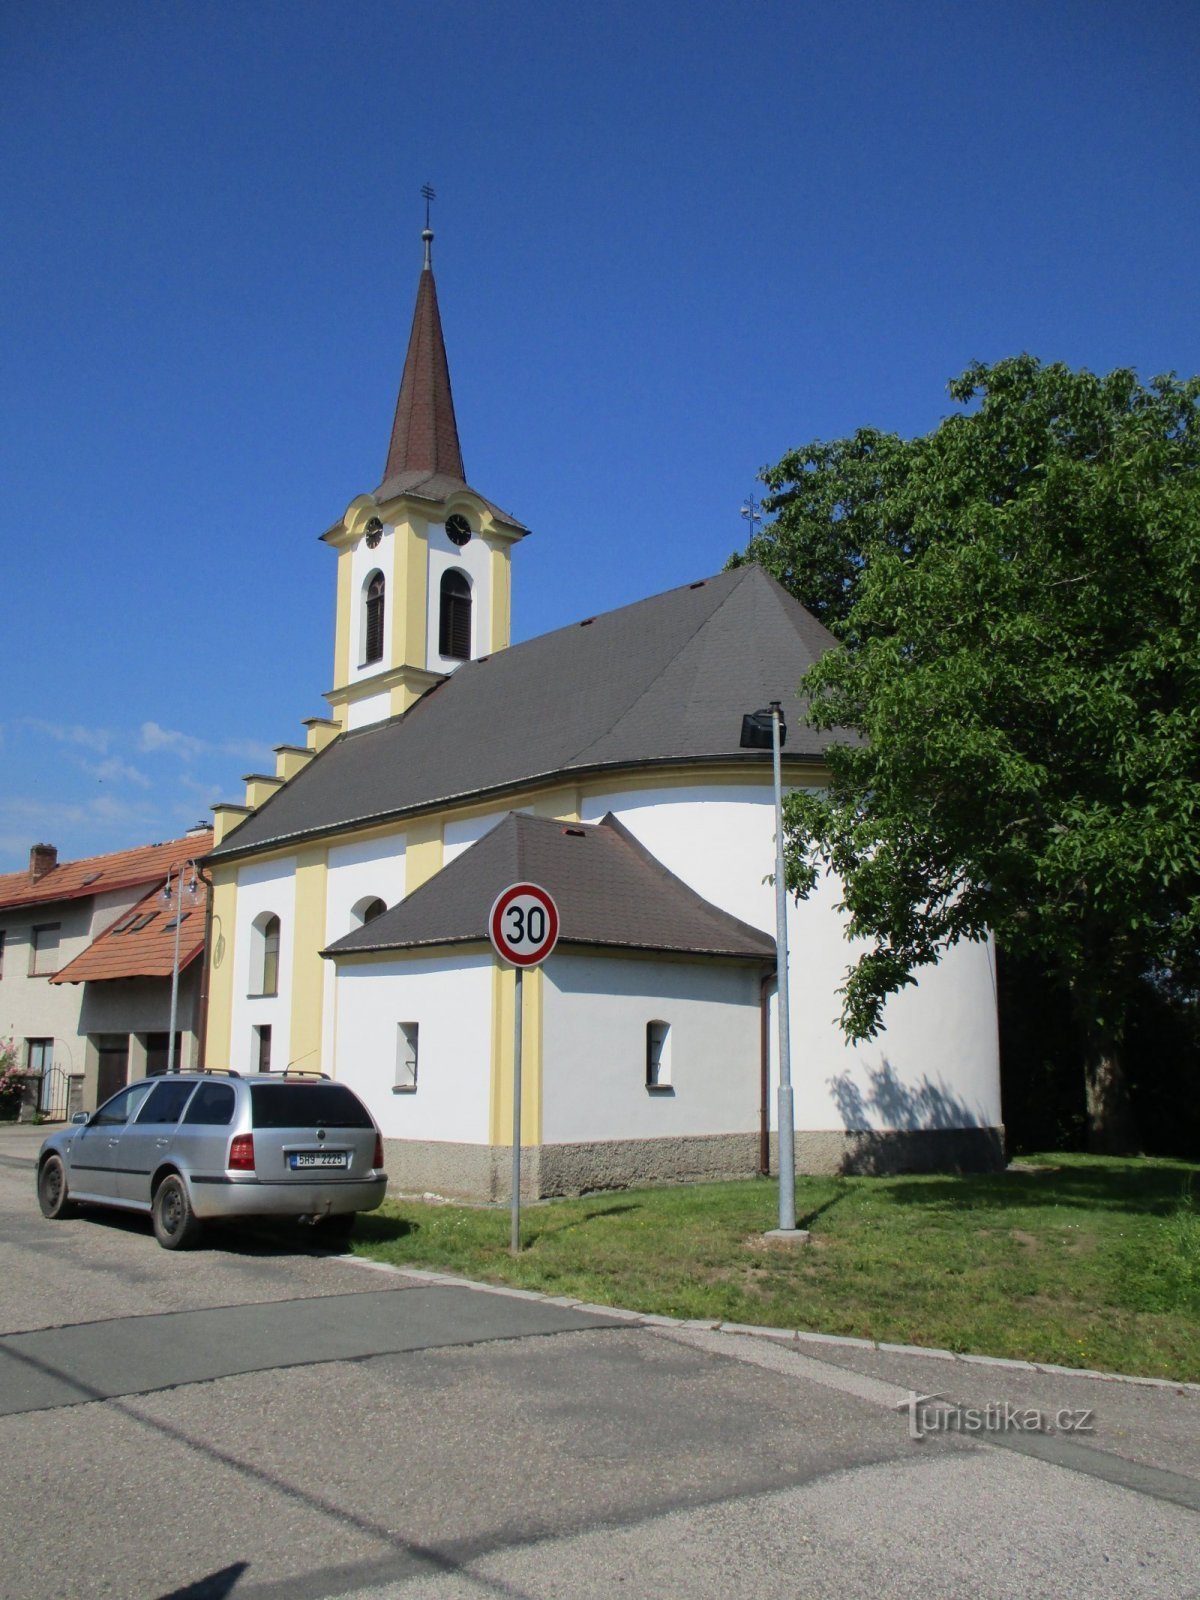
pixel 1111 1128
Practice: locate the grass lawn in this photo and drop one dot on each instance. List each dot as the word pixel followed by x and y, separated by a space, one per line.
pixel 1080 1260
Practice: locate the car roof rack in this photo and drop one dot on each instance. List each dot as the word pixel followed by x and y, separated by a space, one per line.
pixel 219 1072
pixel 300 1072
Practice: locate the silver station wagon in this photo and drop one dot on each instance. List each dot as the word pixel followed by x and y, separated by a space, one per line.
pixel 195 1146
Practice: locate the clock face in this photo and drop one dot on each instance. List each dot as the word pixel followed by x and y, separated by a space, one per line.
pixel 458 529
pixel 374 532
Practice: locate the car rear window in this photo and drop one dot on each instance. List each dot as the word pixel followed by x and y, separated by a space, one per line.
pixel 307 1105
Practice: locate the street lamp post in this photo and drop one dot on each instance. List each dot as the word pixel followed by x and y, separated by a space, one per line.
pixel 179 871
pixel 760 730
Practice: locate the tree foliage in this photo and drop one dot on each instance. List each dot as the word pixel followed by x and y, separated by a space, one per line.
pixel 1017 596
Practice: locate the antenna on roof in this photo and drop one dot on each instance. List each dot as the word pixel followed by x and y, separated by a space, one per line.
pixel 427 194
pixel 751 513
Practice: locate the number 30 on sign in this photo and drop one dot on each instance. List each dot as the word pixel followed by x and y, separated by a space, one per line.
pixel 523 924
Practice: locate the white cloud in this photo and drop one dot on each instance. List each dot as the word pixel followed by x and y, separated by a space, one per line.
pixel 154 738
pixel 114 770
pixel 97 739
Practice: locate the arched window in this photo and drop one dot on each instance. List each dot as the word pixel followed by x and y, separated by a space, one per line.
pixel 367 910
pixel 264 958
pixel 373 619
pixel 454 635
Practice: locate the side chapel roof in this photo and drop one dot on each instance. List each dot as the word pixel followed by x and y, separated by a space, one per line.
pixel 609 890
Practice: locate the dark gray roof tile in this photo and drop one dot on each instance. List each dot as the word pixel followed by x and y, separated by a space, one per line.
pixel 664 680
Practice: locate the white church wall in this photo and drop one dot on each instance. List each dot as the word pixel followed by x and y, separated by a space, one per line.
pixel 937 1063
pixel 594 1017
pixel 364 869
pixel 449 997
pixel 264 888
pixel 475 560
pixel 371 708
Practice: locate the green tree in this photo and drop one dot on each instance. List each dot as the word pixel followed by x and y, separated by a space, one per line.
pixel 1018 601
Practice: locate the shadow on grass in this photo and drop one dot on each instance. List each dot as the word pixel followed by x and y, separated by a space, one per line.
pixel 809 1217
pixel 1149 1191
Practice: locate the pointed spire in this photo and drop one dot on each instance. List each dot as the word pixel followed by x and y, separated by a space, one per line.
pixel 425 433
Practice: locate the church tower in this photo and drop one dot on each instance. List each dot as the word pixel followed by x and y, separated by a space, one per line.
pixel 423 574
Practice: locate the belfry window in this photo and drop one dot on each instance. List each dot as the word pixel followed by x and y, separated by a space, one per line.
pixel 373 630
pixel 454 634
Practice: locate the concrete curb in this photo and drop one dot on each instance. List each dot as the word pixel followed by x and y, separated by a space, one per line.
pixel 778 1336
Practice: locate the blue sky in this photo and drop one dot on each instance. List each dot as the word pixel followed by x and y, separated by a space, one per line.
pixel 673 240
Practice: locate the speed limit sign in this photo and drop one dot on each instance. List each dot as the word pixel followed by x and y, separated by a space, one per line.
pixel 523 924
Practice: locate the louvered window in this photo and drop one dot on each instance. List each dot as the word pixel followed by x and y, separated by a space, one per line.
pixel 454 637
pixel 374 650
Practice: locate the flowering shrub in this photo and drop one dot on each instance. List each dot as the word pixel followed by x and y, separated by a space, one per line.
pixel 12 1077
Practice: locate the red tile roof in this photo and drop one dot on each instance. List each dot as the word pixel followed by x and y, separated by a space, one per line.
pixel 125 869
pixel 141 943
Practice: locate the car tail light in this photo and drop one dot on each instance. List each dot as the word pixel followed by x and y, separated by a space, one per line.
pixel 241 1153
pixel 377 1158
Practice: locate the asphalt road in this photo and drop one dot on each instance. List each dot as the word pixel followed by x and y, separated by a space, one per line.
pixel 262 1419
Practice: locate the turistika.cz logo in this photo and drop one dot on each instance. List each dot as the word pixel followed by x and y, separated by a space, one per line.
pixel 932 1413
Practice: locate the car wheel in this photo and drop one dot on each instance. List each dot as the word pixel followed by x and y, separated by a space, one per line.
pixel 53 1196
pixel 176 1225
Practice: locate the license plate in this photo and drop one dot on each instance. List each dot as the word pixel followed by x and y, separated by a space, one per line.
pixel 318 1158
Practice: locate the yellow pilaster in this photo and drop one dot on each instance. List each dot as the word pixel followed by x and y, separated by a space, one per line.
pixel 220 974
pixel 504 989
pixel 307 967
pixel 411 590
pixel 422 852
pixel 501 594
pixel 341 639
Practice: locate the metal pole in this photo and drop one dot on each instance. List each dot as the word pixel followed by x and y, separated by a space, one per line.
pixel 515 1243
pixel 787 1119
pixel 171 1067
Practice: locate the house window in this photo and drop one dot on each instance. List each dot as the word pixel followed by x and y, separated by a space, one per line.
pixel 43 950
pixel 658 1055
pixel 373 619
pixel 454 635
pixel 406 1058
pixel 262 1048
pixel 39 1055
pixel 264 955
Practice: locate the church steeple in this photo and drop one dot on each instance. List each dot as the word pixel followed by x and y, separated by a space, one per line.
pixel 424 563
pixel 425 432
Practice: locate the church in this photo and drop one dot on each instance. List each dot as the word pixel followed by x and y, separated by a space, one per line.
pixel 351 889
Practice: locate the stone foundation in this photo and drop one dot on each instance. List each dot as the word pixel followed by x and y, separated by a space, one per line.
pixel 481 1172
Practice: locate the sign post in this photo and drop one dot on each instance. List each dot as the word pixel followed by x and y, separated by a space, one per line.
pixel 523 928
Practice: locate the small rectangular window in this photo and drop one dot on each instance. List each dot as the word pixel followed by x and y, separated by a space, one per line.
pixel 407 1035
pixel 43 949
pixel 143 922
pixel 175 922
pixel 262 1047
pixel 658 1055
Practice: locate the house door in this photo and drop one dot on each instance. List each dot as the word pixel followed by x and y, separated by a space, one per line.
pixel 112 1072
pixel 156 1053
